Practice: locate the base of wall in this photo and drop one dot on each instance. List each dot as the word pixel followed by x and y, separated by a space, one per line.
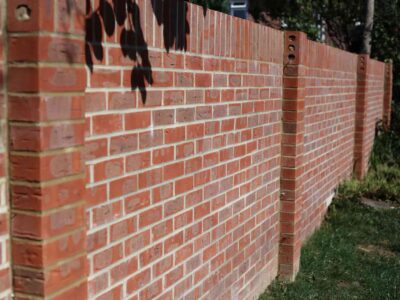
pixel 329 200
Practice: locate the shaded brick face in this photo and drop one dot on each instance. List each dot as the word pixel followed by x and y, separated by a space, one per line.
pixel 374 90
pixel 184 185
pixel 5 275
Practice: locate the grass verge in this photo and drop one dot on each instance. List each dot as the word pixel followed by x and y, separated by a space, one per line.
pixel 355 255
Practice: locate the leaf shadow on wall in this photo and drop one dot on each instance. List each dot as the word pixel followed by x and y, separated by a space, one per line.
pixel 123 17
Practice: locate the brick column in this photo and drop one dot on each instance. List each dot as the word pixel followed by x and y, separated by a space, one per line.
pixel 360 163
pixel 46 85
pixel 292 153
pixel 388 90
pixel 5 279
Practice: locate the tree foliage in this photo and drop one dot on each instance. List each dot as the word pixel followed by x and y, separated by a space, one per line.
pixel 343 24
pixel 340 19
pixel 386 36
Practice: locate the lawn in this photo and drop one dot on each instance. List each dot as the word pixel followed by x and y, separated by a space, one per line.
pixel 355 255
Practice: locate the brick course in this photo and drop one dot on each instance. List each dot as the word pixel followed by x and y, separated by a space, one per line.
pixel 190 159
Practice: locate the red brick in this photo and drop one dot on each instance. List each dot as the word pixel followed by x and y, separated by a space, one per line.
pixel 163 117
pixel 150 216
pixel 104 124
pixel 46 79
pixel 47 197
pixel 137 120
pixel 202 80
pixel 151 254
pixel 193 62
pixel 137 201
pixel 138 161
pixel 49 108
pixel 37 227
pixel 138 281
pixel 34 168
pixel 108 169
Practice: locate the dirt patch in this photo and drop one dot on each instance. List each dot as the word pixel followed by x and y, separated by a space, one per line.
pixel 376 249
pixel 346 284
pixel 378 204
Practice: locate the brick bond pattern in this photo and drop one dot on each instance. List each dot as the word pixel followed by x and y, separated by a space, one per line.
pixel 184 190
pixel 331 85
pixel 202 184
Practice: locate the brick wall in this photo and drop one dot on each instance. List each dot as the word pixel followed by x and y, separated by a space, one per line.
pixel 331 84
pixel 160 151
pixel 5 278
pixel 184 184
pixel 370 109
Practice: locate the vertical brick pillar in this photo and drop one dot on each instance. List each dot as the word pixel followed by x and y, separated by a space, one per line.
pixel 46 85
pixel 388 90
pixel 292 153
pixel 5 279
pixel 360 163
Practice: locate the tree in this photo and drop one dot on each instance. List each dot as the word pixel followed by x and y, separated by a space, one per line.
pixel 368 26
pixel 339 20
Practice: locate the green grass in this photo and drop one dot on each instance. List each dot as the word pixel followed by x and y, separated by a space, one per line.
pixel 381 183
pixel 333 266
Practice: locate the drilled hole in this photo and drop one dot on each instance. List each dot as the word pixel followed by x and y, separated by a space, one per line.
pixel 291 48
pixel 23 13
pixel 291 57
pixel 292 38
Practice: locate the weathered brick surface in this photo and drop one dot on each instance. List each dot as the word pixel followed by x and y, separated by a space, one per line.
pixel 190 159
pixel 5 273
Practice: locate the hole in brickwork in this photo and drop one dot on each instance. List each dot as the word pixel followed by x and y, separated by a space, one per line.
pixel 291 48
pixel 23 13
pixel 291 58
pixel 292 38
pixel 362 63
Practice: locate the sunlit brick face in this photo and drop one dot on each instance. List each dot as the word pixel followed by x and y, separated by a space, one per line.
pixel 183 171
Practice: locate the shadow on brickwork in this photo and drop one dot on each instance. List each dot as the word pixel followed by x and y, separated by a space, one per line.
pixel 123 17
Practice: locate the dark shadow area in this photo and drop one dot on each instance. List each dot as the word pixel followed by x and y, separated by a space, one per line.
pixel 172 14
pixel 123 17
